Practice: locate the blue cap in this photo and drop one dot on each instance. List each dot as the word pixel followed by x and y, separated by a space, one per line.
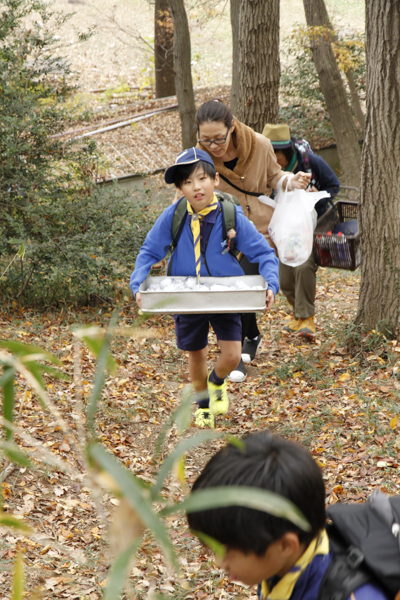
pixel 187 157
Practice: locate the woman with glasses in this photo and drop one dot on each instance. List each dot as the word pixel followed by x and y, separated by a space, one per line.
pixel 247 166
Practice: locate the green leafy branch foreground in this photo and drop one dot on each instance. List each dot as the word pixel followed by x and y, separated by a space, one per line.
pixel 142 507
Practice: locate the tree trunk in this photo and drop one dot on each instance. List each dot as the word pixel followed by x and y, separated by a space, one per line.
pixel 183 72
pixel 323 17
pixel 235 11
pixel 259 66
pixel 355 99
pixel 379 303
pixel 334 93
pixel 164 50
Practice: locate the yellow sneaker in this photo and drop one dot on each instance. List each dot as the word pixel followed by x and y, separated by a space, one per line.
pixel 204 418
pixel 219 401
pixel 293 325
pixel 307 328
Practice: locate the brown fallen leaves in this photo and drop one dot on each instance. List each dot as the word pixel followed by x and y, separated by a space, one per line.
pixel 341 404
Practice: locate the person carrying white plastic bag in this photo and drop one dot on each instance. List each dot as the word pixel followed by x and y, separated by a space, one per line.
pixel 292 225
pixel 298 283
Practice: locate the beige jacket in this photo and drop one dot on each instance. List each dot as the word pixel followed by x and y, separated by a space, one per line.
pixel 255 171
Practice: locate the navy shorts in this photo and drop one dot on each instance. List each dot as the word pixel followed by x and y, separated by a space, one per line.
pixel 192 330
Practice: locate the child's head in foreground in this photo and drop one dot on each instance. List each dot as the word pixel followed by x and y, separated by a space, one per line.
pixel 194 175
pixel 259 545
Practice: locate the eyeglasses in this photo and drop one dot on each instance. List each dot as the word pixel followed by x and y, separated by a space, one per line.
pixel 218 141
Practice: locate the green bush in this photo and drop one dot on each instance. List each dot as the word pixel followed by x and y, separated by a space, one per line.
pixel 77 240
pixel 82 248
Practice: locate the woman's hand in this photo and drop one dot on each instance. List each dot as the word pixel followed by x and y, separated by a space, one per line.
pixel 270 299
pixel 300 181
pixel 138 299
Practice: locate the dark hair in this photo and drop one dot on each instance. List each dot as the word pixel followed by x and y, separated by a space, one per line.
pixel 270 463
pixel 182 172
pixel 213 111
pixel 288 152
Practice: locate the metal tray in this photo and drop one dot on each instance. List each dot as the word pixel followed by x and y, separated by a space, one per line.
pixel 199 302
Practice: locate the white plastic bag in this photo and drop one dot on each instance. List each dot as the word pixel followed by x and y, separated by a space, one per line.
pixel 292 225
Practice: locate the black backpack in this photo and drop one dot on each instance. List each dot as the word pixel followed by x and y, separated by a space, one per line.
pixel 365 540
pixel 228 203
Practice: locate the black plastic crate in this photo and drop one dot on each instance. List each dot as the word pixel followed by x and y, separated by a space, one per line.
pixel 330 250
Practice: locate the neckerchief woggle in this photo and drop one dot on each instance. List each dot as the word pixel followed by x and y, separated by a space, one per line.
pixel 195 226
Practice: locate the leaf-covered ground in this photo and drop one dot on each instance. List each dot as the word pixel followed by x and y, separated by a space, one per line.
pixel 337 396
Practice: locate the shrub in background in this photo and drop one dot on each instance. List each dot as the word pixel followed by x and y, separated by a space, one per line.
pixel 83 247
pixel 74 236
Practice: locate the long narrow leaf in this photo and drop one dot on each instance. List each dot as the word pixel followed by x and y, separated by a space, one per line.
pixel 183 416
pixel 137 497
pixel 94 338
pixel 179 450
pixel 18 582
pixel 119 572
pixel 98 383
pixel 184 407
pixel 7 384
pixel 10 521
pixel 250 497
pixel 15 454
pixel 21 251
pixel 217 548
pixel 95 345
pixel 23 350
pixel 51 371
pixel 103 361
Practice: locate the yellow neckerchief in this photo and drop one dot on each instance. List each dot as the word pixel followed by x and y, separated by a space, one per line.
pixel 195 225
pixel 284 588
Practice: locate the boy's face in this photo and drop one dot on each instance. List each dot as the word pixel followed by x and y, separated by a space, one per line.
pixel 251 569
pixel 198 188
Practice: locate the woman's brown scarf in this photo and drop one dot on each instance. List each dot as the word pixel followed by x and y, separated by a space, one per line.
pixel 245 142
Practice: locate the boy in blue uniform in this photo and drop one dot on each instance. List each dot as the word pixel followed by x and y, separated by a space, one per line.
pixel 199 252
pixel 285 562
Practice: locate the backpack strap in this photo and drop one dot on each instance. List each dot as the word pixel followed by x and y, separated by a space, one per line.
pixel 178 221
pixel 345 572
pixel 340 579
pixel 228 203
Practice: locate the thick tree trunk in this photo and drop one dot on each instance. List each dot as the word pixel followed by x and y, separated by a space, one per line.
pixel 164 50
pixel 235 12
pixel 183 72
pixel 379 303
pixel 334 93
pixel 259 66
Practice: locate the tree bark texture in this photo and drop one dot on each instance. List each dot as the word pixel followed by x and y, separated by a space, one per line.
pixel 355 99
pixel 379 302
pixel 334 93
pixel 235 13
pixel 183 72
pixel 321 14
pixel 164 50
pixel 259 66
